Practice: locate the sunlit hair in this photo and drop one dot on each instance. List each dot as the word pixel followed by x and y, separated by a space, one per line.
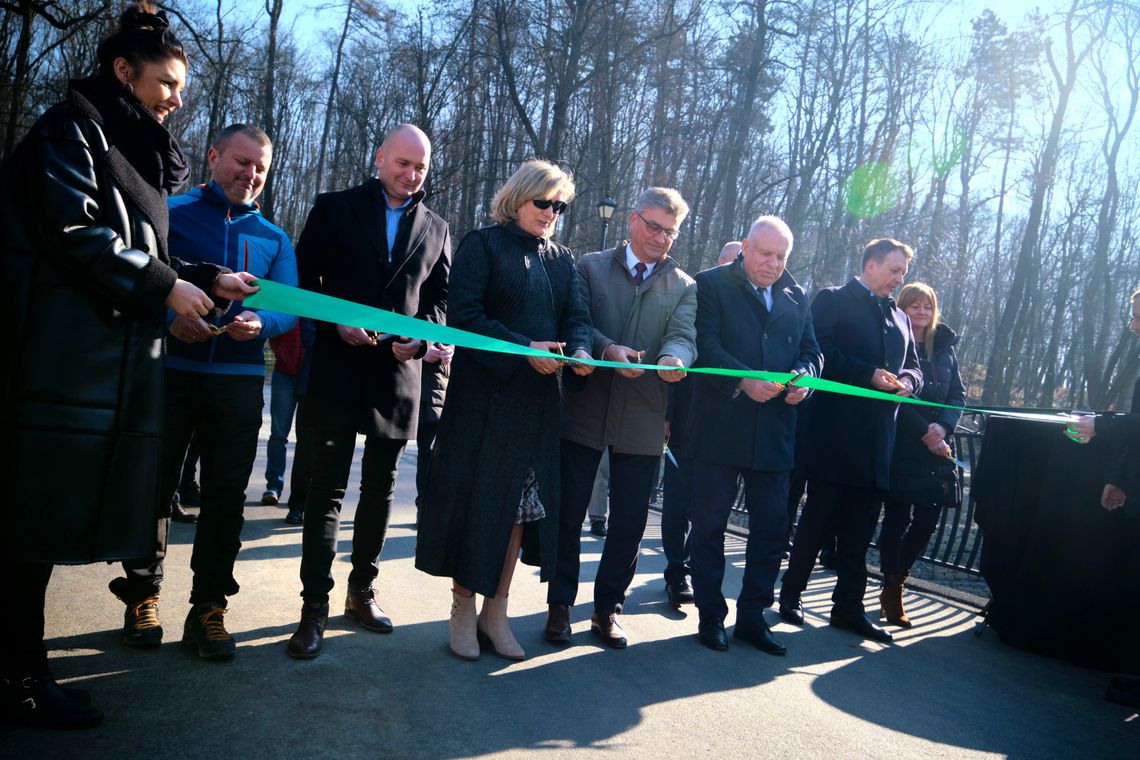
pixel 1135 295
pixel 774 223
pixel 534 180
pixel 255 133
pixel 914 292
pixel 665 198
pixel 144 36
pixel 880 248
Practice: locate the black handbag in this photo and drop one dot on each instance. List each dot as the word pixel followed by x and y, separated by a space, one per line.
pixel 934 482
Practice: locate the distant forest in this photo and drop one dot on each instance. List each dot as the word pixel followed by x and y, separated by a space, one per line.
pixel 1005 152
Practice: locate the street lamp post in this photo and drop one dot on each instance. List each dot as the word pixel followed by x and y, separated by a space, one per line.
pixel 606 208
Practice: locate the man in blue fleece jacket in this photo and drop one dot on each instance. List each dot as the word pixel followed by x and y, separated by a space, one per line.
pixel 214 382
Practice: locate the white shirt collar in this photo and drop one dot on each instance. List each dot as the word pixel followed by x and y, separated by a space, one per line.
pixel 631 262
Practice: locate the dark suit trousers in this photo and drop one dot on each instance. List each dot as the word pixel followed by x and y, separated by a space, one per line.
pixel 22 650
pixel 331 468
pixel 852 513
pixel 676 510
pixel 766 497
pixel 631 485
pixel 223 413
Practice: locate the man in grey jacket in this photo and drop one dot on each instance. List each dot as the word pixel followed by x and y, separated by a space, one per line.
pixel 643 308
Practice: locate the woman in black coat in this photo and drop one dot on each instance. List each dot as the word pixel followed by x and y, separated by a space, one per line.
pixel 494 474
pixel 83 200
pixel 922 473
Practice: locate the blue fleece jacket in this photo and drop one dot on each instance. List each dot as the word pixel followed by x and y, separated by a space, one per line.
pixel 205 226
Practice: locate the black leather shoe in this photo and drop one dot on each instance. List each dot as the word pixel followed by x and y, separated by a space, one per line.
pixel 857 622
pixel 557 624
pixel 43 703
pixel 609 630
pixel 361 606
pixel 178 513
pixel 759 636
pixel 598 528
pixel 679 593
pixel 712 635
pixel 792 611
pixel 305 643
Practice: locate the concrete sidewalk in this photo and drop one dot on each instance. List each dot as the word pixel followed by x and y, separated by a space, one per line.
pixel 938 692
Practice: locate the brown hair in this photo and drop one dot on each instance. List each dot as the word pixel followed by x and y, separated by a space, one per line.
pixel 144 35
pixel 913 292
pixel 880 248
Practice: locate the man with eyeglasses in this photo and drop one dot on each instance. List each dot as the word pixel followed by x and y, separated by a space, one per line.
pixel 643 308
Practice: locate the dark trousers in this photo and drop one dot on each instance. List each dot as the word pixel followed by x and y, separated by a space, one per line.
pixel 22 650
pixel 852 512
pixel 425 440
pixel 902 537
pixel 224 413
pixel 676 511
pixel 631 485
pixel 331 467
pixel 765 496
pixel 301 474
pixel 190 467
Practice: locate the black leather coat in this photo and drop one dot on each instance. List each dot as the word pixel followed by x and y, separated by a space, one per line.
pixel 83 259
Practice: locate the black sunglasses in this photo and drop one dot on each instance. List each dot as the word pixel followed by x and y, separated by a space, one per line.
pixel 558 206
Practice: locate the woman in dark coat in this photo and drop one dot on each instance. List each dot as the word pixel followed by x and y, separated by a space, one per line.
pixel 494 474
pixel 83 199
pixel 922 473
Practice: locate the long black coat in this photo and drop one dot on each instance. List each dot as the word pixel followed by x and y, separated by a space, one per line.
pixel 343 252
pixel 734 331
pixel 86 273
pixel 501 417
pixel 851 440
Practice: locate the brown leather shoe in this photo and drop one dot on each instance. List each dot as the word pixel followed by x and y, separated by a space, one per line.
pixel 557 624
pixel 609 630
pixel 305 644
pixel 179 513
pixel 361 606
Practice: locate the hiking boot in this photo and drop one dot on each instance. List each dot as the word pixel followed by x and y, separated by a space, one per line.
pixel 141 628
pixel 205 629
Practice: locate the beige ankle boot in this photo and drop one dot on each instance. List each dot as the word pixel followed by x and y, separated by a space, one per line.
pixel 494 632
pixel 464 643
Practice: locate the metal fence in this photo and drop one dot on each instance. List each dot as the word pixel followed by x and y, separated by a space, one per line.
pixel 957 542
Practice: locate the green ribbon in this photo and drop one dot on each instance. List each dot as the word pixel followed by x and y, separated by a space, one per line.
pixel 273 296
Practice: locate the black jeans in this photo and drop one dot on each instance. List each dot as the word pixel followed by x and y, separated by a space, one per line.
pixel 631 485
pixel 301 474
pixel 22 650
pixel 331 468
pixel 853 513
pixel 902 538
pixel 766 496
pixel 224 413
pixel 676 516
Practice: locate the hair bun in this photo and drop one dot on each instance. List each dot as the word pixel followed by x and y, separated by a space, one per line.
pixel 140 17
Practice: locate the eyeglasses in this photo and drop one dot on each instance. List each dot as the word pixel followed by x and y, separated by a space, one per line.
pixel 558 206
pixel 657 229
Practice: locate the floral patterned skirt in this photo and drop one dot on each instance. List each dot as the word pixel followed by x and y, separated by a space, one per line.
pixel 530 506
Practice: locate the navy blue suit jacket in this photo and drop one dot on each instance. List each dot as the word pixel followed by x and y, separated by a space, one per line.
pixel 734 332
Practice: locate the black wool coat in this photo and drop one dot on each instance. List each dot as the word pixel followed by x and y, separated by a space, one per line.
pixel 501 417
pixel 735 331
pixel 343 252
pixel 851 440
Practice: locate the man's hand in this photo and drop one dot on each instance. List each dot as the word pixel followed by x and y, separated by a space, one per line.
pixel 190 330
pixel 882 380
pixel 760 390
pixel 233 286
pixel 541 364
pixel 578 367
pixel 616 353
pixel 933 434
pixel 671 375
pixel 439 353
pixel 939 448
pixel 795 394
pixel 405 348
pixel 1083 430
pixel 245 326
pixel 1113 497
pixel 186 300
pixel 355 336
pixel 668 430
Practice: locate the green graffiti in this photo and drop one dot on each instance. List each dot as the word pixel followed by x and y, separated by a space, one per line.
pixel 870 190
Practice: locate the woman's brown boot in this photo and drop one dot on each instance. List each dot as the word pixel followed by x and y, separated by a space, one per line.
pixel 891 603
